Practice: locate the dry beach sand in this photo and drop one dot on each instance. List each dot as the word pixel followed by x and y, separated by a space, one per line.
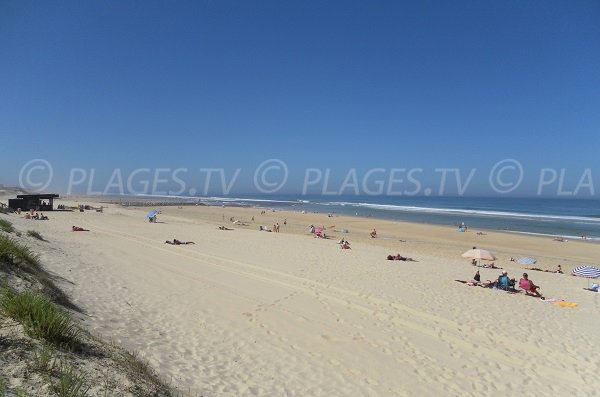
pixel 249 313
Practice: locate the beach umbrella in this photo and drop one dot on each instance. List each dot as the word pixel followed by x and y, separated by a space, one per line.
pixel 151 213
pixel 586 271
pixel 527 260
pixel 479 254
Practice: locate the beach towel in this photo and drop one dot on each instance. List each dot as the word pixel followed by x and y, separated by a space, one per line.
pixel 565 304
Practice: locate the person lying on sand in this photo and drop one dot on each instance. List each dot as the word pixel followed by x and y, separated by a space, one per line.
pixel 528 286
pixel 223 228
pixel 179 242
pixel 537 269
pixel 78 229
pixel 489 266
pixel 481 234
pixel 399 257
pixel 560 239
pixel 345 246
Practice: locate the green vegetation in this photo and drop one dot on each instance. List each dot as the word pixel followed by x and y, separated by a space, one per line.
pixel 44 358
pixel 6 226
pixel 70 384
pixel 18 258
pixel 39 311
pixel 21 392
pixel 40 317
pixel 34 234
pixel 14 253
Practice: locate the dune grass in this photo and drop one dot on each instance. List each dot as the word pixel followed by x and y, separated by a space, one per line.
pixel 18 258
pixel 40 317
pixel 13 252
pixel 70 384
pixel 36 235
pixel 44 359
pixel 6 226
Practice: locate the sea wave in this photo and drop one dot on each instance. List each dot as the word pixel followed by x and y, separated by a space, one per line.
pixel 458 211
pixel 552 235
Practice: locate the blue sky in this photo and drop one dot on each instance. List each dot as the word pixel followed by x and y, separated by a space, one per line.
pixel 339 85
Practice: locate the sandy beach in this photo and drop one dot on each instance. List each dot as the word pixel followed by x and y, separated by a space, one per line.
pixel 250 313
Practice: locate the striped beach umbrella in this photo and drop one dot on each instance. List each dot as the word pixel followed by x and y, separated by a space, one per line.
pixel 586 271
pixel 526 260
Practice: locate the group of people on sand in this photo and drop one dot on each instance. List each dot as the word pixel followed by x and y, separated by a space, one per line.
pixel 504 282
pixel 32 215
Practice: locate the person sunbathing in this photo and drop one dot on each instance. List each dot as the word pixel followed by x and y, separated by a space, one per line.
pixel 179 242
pixel 489 266
pixel 537 269
pixel 399 257
pixel 223 228
pixel 345 246
pixel 78 229
pixel 528 286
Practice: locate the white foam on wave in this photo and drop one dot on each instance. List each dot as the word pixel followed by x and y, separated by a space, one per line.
pixel 500 214
pixel 243 200
pixel 552 235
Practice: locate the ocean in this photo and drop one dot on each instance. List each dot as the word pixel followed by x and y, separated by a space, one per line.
pixel 569 218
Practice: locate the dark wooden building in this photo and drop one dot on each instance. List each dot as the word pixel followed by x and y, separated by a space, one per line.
pixel 38 202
